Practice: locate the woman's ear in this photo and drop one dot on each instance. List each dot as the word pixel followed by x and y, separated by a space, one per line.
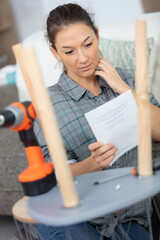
pixel 54 52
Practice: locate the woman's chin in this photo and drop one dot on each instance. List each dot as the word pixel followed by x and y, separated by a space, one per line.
pixel 88 73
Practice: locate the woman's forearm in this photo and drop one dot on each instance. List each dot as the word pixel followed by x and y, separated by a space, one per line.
pixel 101 156
pixel 86 166
pixel 155 123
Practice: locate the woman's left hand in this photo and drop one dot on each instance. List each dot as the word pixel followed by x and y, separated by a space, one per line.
pixel 111 76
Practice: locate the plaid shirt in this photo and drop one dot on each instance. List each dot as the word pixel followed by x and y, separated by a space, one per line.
pixel 71 102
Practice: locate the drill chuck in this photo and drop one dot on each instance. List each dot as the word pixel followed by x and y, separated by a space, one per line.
pixel 7 118
pixel 2 120
pixel 11 116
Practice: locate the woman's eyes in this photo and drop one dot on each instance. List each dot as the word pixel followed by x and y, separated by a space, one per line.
pixel 88 45
pixel 70 52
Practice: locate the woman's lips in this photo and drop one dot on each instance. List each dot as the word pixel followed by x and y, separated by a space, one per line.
pixel 86 68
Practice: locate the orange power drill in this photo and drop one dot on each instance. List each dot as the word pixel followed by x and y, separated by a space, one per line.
pixel 39 177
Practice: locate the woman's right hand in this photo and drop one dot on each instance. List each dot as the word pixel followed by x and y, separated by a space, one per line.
pixel 111 76
pixel 103 154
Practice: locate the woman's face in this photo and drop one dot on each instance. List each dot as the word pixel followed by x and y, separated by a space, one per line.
pixel 77 48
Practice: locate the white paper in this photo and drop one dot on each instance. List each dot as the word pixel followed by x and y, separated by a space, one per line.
pixel 116 122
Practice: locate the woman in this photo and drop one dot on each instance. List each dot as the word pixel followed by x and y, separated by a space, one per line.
pixel 87 82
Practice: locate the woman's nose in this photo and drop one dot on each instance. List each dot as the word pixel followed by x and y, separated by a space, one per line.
pixel 82 57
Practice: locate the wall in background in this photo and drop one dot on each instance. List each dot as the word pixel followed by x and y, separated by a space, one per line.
pixel 105 10
pixel 30 15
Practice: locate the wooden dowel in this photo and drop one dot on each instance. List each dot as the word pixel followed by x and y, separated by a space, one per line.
pixel 144 128
pixel 48 123
pixel 18 53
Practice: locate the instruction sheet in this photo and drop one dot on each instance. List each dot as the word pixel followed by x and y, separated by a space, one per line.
pixel 116 122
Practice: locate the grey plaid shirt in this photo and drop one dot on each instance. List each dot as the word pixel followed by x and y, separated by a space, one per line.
pixel 71 102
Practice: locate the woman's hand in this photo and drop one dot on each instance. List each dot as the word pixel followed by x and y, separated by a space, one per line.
pixel 103 154
pixel 111 76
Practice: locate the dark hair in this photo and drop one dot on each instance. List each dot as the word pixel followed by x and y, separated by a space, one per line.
pixel 63 16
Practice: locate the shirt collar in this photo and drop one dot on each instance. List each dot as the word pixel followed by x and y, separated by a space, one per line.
pixel 103 83
pixel 73 89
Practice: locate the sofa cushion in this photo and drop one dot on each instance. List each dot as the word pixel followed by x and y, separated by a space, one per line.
pixel 47 62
